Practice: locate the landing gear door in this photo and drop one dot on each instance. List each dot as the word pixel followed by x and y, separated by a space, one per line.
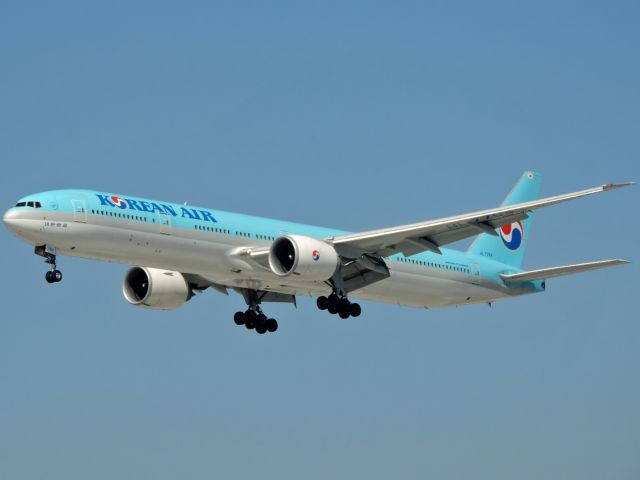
pixel 474 272
pixel 164 222
pixel 79 211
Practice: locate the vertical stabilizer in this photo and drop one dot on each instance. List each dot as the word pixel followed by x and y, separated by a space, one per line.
pixel 509 246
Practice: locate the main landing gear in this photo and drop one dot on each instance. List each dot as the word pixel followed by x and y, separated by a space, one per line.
pixel 54 275
pixel 340 305
pixel 253 318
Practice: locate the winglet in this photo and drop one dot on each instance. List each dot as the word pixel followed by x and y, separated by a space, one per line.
pixel 611 186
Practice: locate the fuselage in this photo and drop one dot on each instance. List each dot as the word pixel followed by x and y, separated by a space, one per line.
pixel 202 241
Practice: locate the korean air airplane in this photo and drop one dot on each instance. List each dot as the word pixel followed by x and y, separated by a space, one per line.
pixel 181 250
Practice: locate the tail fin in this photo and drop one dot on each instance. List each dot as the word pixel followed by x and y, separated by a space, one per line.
pixel 508 247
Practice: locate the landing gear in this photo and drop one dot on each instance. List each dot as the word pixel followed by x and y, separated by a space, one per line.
pixel 253 318
pixel 339 304
pixel 54 275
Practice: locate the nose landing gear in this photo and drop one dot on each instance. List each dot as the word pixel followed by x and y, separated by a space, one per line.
pixel 54 275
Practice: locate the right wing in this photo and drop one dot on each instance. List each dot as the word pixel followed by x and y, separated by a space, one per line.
pixel 430 235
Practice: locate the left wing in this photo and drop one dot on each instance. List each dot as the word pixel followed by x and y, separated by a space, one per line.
pixel 429 236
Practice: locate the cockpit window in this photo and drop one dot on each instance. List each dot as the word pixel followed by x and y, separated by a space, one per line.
pixel 29 204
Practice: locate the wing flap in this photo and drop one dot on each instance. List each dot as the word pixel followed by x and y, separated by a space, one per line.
pixel 545 273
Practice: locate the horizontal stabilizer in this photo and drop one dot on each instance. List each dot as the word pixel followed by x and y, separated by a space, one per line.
pixel 544 273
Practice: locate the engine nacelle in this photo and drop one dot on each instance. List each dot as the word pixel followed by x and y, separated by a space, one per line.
pixel 155 288
pixel 308 257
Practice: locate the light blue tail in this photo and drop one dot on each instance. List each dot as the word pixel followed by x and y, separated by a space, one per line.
pixel 509 246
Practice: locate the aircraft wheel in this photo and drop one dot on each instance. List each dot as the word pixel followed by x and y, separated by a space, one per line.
pixel 344 306
pixel 355 310
pixel 250 319
pixel 49 277
pixel 272 325
pixel 261 323
pixel 238 318
pixel 322 302
pixel 332 299
pixel 57 275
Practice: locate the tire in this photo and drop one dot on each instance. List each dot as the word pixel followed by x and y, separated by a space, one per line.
pixel 322 302
pixel 332 299
pixel 261 323
pixel 238 318
pixel 272 325
pixel 344 308
pixel 57 275
pixel 250 319
pixel 355 310
pixel 49 277
pixel 332 309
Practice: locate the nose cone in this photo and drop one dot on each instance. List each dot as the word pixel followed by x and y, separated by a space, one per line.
pixel 16 222
pixel 21 225
pixel 10 219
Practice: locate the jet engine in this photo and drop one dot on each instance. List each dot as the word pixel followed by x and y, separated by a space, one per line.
pixel 155 288
pixel 308 257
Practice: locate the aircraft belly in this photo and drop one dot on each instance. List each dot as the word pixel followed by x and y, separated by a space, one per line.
pixel 211 260
pixel 419 290
pixel 145 248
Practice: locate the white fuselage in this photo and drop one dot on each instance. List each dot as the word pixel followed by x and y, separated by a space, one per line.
pixel 435 281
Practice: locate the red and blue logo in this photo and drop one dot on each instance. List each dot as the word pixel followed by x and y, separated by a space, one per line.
pixel 316 255
pixel 119 202
pixel 512 235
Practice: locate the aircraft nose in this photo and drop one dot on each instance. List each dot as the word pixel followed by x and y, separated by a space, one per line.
pixel 10 218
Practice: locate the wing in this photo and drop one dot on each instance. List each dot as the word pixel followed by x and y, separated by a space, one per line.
pixel 361 254
pixel 198 283
pixel 429 236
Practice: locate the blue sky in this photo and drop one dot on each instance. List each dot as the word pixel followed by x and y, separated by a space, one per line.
pixel 345 114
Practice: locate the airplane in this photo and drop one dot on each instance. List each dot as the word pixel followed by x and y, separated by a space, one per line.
pixel 180 250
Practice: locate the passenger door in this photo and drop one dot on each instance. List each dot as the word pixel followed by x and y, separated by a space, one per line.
pixel 79 211
pixel 164 221
pixel 474 272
